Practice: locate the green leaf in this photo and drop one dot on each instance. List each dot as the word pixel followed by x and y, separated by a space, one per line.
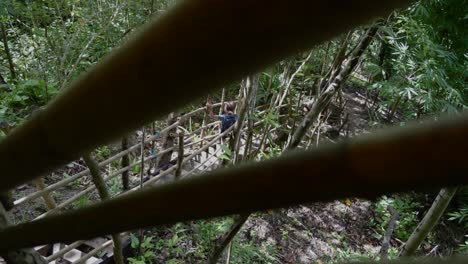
pixel 225 157
pixel 226 150
pixel 134 241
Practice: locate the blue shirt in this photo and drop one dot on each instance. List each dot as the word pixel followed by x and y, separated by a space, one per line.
pixel 227 121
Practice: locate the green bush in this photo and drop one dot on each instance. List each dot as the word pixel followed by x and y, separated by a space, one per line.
pixel 408 211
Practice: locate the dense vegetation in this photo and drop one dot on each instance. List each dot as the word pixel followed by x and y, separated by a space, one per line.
pixel 409 66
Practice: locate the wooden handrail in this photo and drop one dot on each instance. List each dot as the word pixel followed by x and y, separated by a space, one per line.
pixel 218 41
pixel 363 167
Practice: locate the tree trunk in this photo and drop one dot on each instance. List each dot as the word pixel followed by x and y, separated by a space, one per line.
pixel 340 57
pixel 324 99
pixel 429 221
pixel 8 52
pixel 104 195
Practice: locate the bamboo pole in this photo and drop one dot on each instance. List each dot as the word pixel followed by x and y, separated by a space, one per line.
pixel 104 195
pixel 64 251
pixel 223 94
pixel 180 155
pixel 257 186
pixel 429 221
pixel 213 28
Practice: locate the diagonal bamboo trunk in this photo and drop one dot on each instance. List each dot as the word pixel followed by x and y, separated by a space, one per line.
pixel 324 99
pixel 227 238
pixel 429 221
pixel 104 195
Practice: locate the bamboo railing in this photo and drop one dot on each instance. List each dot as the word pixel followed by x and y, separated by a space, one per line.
pixel 210 40
pixel 343 170
pixel 218 47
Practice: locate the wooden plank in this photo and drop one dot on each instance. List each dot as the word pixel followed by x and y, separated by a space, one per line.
pixel 76 254
pixel 56 248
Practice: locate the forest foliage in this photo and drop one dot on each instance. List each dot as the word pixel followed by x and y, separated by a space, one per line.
pixel 415 67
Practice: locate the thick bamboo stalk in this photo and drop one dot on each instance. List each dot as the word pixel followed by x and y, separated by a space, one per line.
pixel 64 251
pixel 258 186
pixel 218 54
pixel 105 195
pixel 429 221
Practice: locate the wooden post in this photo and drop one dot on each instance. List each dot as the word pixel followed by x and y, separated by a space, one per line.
pixel 205 120
pixel 125 161
pixel 168 141
pixel 223 95
pixel 180 156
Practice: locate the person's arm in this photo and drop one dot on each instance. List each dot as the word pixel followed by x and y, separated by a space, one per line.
pixel 209 111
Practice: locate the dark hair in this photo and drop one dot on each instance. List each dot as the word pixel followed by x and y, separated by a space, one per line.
pixel 229 107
